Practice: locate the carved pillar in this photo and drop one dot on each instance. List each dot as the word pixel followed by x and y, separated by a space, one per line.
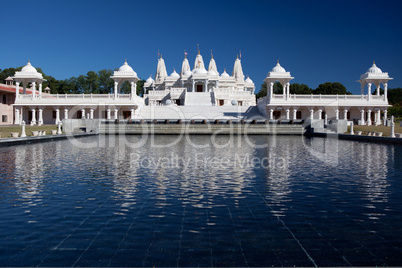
pixel 115 89
pixel 17 116
pixel 369 91
pixel 33 90
pixel 271 114
pixel 57 115
pixel 362 122
pixel 40 119
pixel 311 113
pixel 66 113
pixel 91 113
pixel 294 114
pixel 33 121
pixel 369 117
pixel 337 114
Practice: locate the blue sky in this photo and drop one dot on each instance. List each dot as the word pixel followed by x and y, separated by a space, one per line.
pixel 317 41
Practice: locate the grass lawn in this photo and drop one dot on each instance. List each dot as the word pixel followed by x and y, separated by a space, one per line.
pixel 6 130
pixel 386 131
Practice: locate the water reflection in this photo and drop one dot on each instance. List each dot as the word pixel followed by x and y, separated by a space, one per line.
pixel 216 166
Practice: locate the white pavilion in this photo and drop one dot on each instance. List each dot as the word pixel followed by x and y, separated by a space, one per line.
pixel 364 109
pixel 39 108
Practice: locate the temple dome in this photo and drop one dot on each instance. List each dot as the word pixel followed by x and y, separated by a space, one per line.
pixel 225 74
pixel 188 72
pixel 28 69
pixel 149 80
pixel 374 70
pixel 125 68
pixel 248 81
pixel 175 74
pixel 278 69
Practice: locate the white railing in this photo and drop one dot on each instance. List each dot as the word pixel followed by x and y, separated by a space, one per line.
pixel 327 97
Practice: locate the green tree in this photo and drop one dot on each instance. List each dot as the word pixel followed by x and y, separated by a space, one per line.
pixel 300 89
pixel 262 92
pixel 329 88
pixel 92 81
pixel 395 96
pixel 105 82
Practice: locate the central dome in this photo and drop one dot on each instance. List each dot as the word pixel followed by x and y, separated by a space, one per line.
pixel 28 69
pixel 125 68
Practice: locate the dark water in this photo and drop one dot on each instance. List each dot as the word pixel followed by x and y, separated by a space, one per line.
pixel 256 201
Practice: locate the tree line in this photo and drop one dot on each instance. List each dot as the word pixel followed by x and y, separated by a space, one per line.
pixel 93 82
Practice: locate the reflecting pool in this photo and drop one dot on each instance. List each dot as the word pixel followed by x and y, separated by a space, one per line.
pixel 201 201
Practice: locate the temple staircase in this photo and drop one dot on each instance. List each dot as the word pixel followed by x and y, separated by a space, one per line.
pixel 199 99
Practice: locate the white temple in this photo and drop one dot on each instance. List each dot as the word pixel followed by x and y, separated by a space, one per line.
pixel 199 87
pixel 198 93
pixel 364 109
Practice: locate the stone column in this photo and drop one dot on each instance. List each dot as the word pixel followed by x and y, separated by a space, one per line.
pixel 385 117
pixel 271 89
pixel 311 113
pixel 287 90
pixel 115 89
pixel 369 117
pixel 17 116
pixel 369 91
pixel 40 90
pixel 17 91
pixel 83 113
pixel 287 113
pixel 320 114
pixel 193 89
pixel 294 114
pixel 40 120
pixel 133 92
pixel 206 85
pixel 33 90
pixel 132 113
pixel 108 113
pixel 57 115
pixel 271 114
pixel 345 114
pixel 378 118
pixel 362 117
pixel 386 91
pixel 284 90
pixel 33 122
pixel 116 112
pixel 378 89
pixel 91 113
pixel 66 113
pixel 337 114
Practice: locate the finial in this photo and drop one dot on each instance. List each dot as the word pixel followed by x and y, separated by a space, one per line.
pixel 277 61
pixel 159 54
pixel 373 62
pixel 125 60
pixel 198 49
pixel 237 56
pixel 185 54
pixel 240 53
pixel 29 61
pixel 212 55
